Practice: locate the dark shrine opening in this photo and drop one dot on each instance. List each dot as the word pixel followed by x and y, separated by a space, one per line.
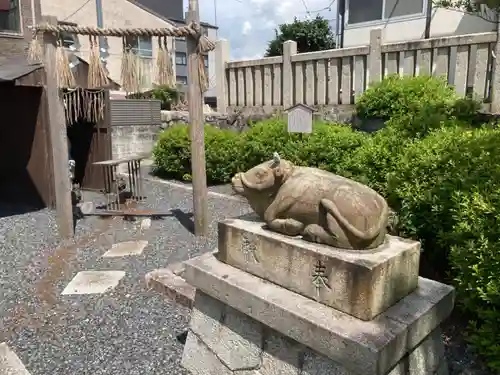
pixel 24 159
pixel 80 136
pixel 89 138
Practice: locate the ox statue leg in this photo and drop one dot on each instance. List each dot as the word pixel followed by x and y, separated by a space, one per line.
pixel 328 230
pixel 290 227
pixel 316 233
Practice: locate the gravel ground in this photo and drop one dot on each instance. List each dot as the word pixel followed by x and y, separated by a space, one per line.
pixel 127 331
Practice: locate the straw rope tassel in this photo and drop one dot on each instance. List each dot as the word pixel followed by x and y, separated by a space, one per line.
pixel 65 77
pixel 129 69
pixel 35 52
pixel 97 75
pixel 165 71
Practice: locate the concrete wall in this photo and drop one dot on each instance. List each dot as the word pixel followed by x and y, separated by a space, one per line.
pixel 443 23
pixel 133 140
pixel 16 43
pixel 116 13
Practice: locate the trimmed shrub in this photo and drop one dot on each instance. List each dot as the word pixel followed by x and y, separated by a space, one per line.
pixel 266 137
pixel 172 154
pixel 396 95
pixel 446 189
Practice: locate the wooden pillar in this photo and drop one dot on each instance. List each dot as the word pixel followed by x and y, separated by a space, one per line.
pixel 197 132
pixel 58 139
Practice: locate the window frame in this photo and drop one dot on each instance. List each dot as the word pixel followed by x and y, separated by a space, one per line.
pixel 74 37
pixel 383 20
pixel 139 50
pixel 177 81
pixel 20 25
pixel 184 59
pixel 205 61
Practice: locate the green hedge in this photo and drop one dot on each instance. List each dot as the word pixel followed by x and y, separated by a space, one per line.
pixel 440 174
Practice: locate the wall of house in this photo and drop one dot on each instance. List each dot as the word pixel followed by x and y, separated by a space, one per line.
pixel 181 70
pixel 212 35
pixel 443 23
pixel 116 13
pixel 17 43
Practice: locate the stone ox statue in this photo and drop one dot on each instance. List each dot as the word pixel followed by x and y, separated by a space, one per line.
pixel 319 205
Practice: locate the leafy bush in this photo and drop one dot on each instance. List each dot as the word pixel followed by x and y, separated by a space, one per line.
pixel 396 95
pixel 440 173
pixel 446 189
pixel 422 95
pixel 327 147
pixel 172 154
pixel 266 137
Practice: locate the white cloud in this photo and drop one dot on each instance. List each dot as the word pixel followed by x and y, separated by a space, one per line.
pixel 249 24
pixel 247 27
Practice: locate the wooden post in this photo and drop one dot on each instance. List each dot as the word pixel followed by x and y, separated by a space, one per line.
pixel 58 138
pixel 197 132
pixel 375 57
pixel 495 75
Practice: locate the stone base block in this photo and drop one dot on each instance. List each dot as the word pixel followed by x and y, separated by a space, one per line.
pixel 223 341
pixel 360 283
pixel 242 324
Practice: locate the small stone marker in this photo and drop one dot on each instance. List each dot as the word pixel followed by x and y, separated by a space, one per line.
pixel 299 118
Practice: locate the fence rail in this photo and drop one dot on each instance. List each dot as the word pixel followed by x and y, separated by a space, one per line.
pixel 339 76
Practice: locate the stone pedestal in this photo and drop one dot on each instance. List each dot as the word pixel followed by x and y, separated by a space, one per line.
pixel 244 324
pixel 360 283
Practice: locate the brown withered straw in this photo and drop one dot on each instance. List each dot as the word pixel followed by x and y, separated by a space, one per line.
pixel 35 51
pixel 97 76
pixel 164 68
pixel 64 74
pixel 129 69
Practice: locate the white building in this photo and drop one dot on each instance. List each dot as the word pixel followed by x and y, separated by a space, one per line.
pixel 403 20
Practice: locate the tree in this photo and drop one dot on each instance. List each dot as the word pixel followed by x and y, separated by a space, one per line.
pixel 310 35
pixel 485 9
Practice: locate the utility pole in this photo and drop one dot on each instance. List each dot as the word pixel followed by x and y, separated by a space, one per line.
pixel 100 23
pixel 196 129
pixel 215 19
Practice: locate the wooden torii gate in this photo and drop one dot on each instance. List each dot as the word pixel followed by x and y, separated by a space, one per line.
pixel 51 54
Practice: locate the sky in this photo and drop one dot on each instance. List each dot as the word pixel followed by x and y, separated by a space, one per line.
pixel 249 25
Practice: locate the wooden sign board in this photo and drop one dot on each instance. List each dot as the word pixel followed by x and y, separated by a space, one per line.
pixel 300 119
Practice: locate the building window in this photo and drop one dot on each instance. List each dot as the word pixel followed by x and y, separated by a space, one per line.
pixel 360 11
pixel 204 31
pixel 181 80
pixel 10 16
pixel 68 40
pixel 180 58
pixel 205 61
pixel 141 45
pixel 180 38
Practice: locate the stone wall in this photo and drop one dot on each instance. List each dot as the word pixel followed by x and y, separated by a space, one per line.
pixel 240 119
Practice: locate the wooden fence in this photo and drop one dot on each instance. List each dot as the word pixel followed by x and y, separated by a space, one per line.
pixel 339 76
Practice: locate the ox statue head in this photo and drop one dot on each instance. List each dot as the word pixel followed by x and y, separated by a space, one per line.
pixel 263 179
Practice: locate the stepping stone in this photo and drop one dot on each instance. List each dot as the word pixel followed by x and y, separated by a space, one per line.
pixel 93 282
pixel 10 364
pixel 126 248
